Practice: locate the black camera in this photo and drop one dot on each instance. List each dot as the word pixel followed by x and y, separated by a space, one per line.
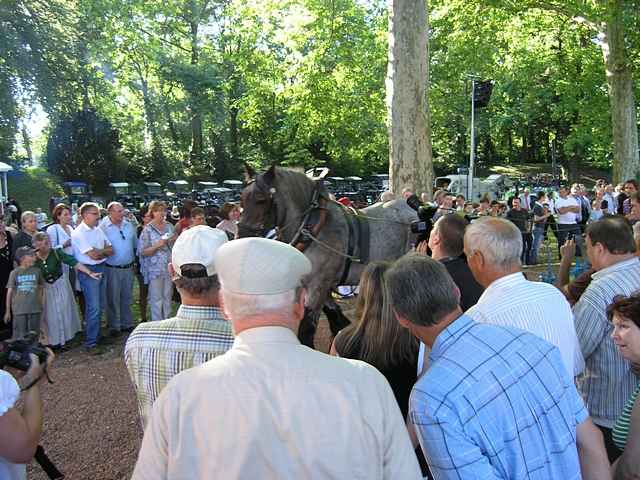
pixel 422 227
pixel 16 354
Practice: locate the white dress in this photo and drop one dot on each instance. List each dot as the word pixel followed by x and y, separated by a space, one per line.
pixel 57 237
pixel 9 393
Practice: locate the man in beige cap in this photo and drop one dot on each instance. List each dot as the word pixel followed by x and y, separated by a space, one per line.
pixel 271 407
pixel 156 351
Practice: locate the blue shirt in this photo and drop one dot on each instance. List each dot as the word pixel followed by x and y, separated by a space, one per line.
pixel 496 402
pixel 123 239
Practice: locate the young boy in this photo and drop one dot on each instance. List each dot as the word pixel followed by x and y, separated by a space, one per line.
pixel 197 217
pixel 25 294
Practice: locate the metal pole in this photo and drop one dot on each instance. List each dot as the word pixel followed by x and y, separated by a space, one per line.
pixel 472 154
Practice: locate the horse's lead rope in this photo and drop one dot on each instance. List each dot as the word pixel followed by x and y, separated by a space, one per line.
pixel 329 247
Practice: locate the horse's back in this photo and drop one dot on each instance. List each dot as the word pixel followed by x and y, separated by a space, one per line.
pixel 390 234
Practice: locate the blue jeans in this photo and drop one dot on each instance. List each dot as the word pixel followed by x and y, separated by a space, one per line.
pixel 92 290
pixel 538 237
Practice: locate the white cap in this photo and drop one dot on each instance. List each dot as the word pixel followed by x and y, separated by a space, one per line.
pixel 258 266
pixel 198 245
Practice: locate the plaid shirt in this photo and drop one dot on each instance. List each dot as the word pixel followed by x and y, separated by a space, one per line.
pixel 497 402
pixel 156 351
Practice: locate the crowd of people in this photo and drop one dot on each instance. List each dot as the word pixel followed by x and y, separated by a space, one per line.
pixel 566 210
pixel 456 366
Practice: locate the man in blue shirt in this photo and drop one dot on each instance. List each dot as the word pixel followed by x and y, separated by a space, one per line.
pixel 119 269
pixel 496 402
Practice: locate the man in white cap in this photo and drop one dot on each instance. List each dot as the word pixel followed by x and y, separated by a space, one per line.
pixel 156 351
pixel 271 407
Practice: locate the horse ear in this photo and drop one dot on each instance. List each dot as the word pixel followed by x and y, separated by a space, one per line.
pixel 269 176
pixel 249 173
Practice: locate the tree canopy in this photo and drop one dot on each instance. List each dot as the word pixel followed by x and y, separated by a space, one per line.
pixel 194 88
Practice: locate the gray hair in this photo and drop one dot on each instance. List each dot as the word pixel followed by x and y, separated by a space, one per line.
pixel 498 239
pixel 240 305
pixel 421 290
pixel 27 214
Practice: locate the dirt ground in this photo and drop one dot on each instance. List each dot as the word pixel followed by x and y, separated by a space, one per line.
pixel 91 427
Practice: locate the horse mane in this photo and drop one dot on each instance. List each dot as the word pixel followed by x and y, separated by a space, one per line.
pixel 295 187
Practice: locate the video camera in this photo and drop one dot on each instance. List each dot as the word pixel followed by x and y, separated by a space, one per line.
pixel 422 227
pixel 16 354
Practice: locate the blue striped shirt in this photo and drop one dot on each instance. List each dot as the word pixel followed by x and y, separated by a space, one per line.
pixel 497 402
pixel 607 381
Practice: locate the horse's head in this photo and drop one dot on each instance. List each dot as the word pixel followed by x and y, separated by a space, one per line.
pixel 258 204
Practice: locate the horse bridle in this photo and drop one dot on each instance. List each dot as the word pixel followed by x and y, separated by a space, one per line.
pixel 271 217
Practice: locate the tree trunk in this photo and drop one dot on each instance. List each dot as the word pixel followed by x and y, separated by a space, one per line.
pixel 410 154
pixel 159 159
pixel 196 115
pixel 27 143
pixel 626 163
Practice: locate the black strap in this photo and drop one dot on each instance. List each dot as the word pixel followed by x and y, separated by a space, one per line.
pixel 350 247
pixel 47 465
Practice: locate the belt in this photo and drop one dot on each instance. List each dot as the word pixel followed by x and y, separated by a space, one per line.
pixel 129 265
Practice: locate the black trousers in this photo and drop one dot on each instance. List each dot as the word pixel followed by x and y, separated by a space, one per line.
pixel 613 452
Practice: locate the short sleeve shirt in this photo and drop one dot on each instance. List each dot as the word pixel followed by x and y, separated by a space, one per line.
pixel 25 283
pixel 569 217
pixel 9 393
pixel 84 239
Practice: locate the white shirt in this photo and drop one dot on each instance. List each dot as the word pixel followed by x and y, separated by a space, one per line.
pixel 85 239
pixel 568 201
pixel 58 236
pixel 271 408
pixel 535 307
pixel 9 393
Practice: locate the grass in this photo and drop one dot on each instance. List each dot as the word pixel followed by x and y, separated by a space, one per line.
pixel 32 187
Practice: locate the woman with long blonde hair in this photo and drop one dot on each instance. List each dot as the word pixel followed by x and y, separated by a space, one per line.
pixel 377 338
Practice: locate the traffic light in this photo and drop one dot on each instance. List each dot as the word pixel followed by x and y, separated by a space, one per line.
pixel 482 93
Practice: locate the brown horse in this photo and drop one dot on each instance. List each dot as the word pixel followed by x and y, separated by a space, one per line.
pixel 338 241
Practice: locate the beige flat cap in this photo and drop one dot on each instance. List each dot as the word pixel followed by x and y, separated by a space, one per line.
pixel 258 266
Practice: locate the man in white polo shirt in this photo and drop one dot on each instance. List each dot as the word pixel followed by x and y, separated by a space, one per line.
pixel 568 210
pixel 91 247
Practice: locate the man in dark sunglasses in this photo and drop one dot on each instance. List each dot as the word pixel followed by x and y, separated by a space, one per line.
pixel 119 269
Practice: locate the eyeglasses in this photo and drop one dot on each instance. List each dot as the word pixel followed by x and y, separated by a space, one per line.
pixel 122 235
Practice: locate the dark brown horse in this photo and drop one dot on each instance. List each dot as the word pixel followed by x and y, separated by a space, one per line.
pixel 338 241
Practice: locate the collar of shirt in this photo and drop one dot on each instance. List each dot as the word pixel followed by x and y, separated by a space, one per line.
pixel 257 335
pixel 197 312
pixel 507 280
pixel 615 267
pixel 106 222
pixel 449 335
pixel 84 226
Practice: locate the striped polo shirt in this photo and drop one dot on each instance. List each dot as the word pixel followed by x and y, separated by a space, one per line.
pixel 623 425
pixel 607 381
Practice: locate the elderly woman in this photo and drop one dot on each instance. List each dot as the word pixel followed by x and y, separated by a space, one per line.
pixel 230 213
pixel 155 243
pixel 61 321
pixel 24 238
pixel 624 313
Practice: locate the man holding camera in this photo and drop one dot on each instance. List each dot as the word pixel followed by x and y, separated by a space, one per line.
pixel 20 432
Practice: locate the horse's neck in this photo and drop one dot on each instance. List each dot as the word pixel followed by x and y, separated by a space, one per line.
pixel 292 205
